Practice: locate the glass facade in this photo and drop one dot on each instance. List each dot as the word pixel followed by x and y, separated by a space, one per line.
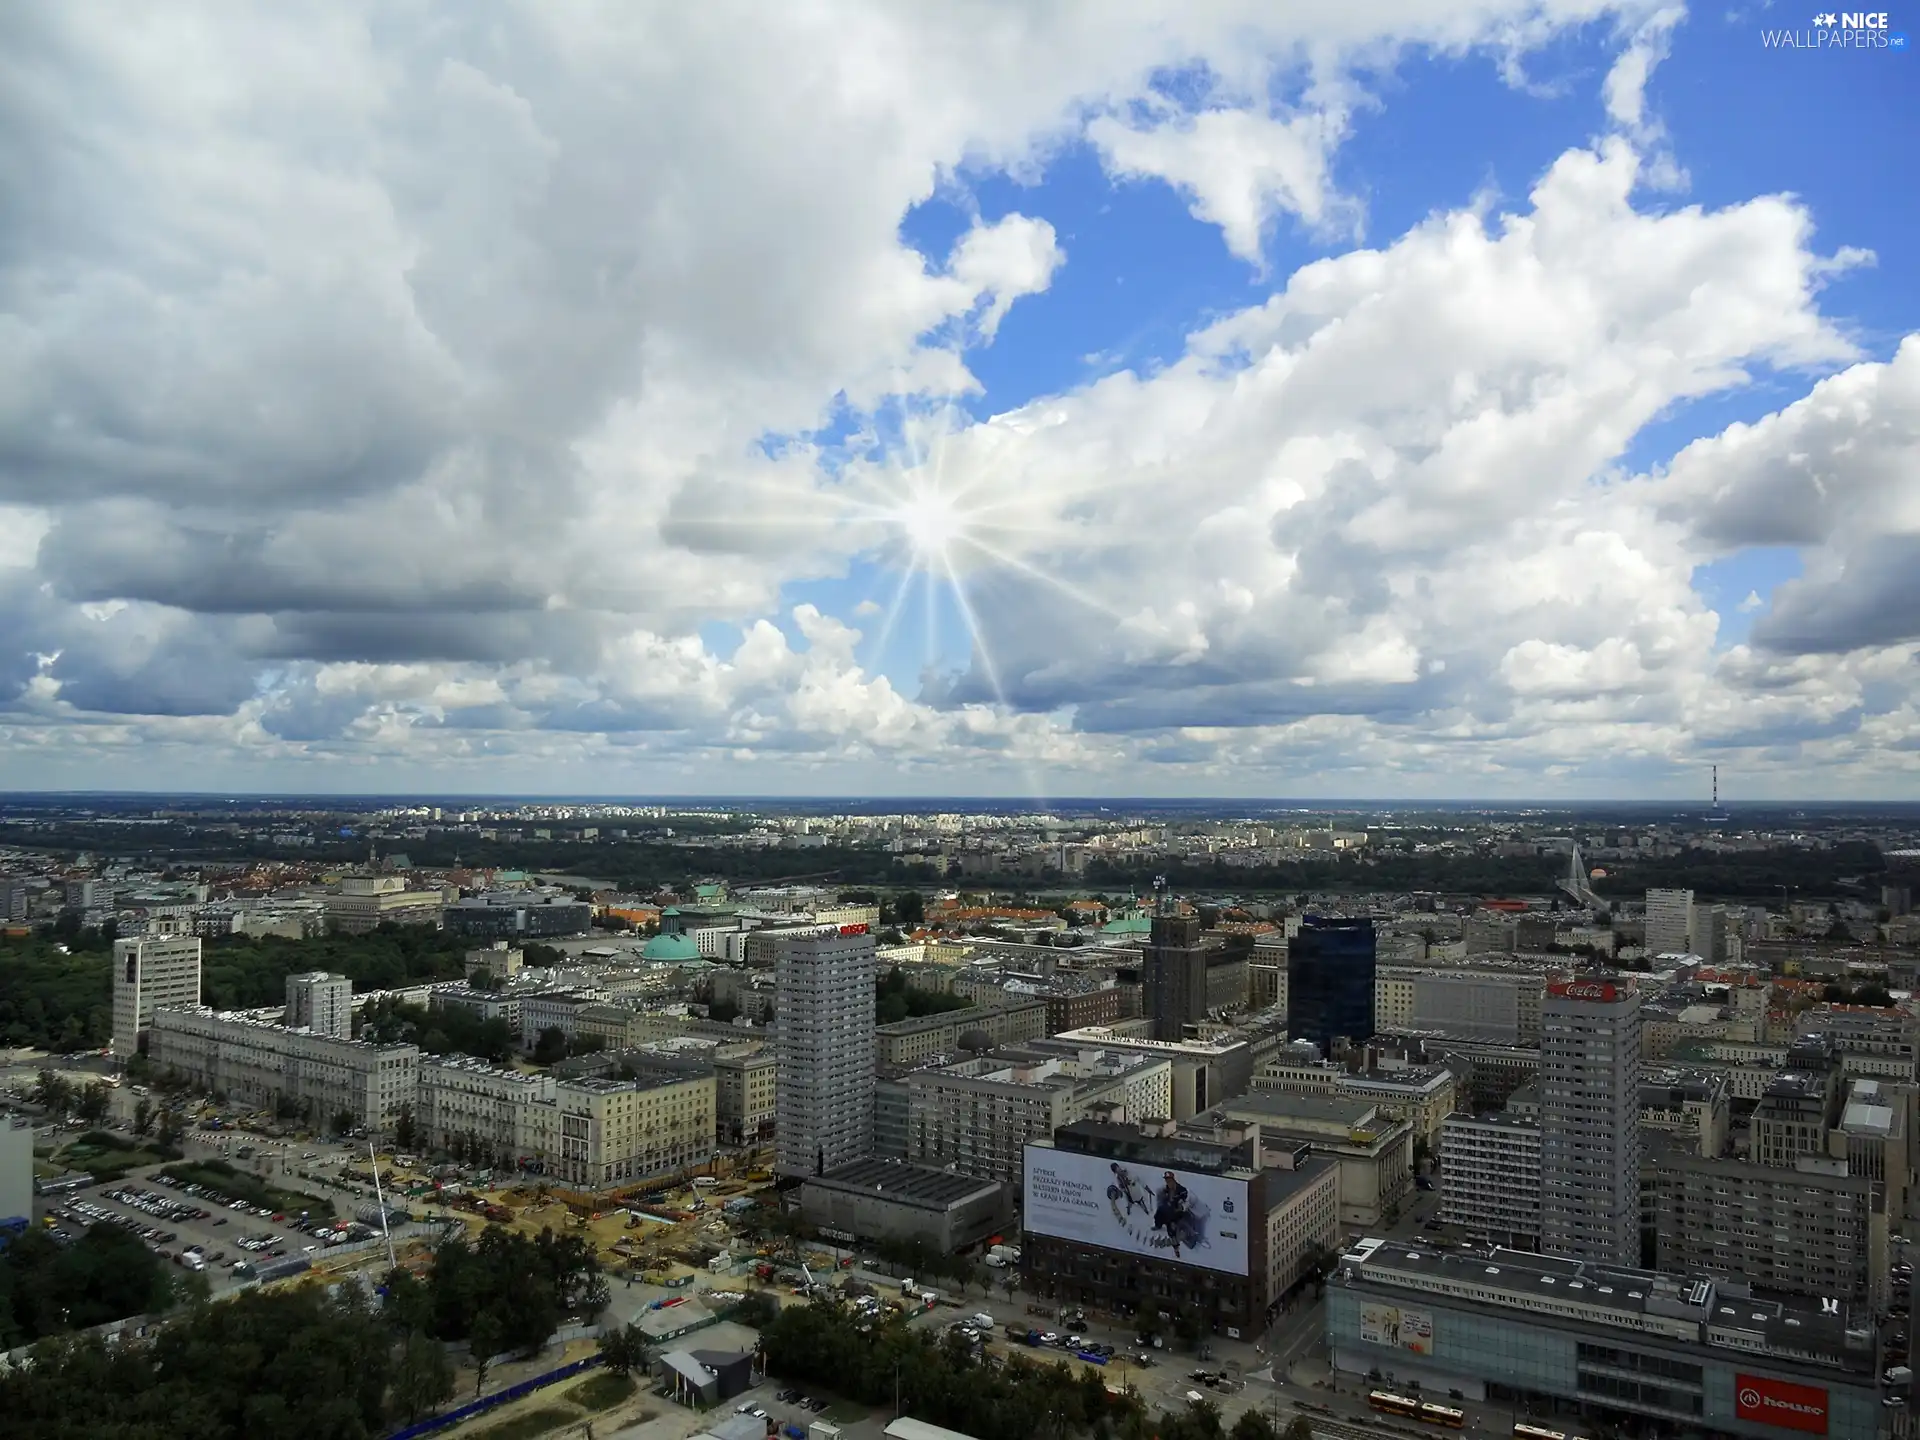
pixel 1330 966
pixel 1691 1387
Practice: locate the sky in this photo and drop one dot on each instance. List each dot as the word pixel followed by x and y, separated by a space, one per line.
pixel 1420 399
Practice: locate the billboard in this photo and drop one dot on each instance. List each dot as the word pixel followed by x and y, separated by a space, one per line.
pixel 1403 1329
pixel 1146 1210
pixel 1781 1404
pixel 1599 990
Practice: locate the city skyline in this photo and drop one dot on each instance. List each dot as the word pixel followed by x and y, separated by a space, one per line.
pixel 1508 401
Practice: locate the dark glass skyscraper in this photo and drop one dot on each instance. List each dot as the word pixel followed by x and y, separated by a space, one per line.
pixel 1330 981
pixel 1176 976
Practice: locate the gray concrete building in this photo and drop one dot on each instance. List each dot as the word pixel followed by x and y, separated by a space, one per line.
pixel 1590 1121
pixel 879 1199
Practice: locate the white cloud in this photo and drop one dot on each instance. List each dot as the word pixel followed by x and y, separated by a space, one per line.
pixel 414 395
pixel 1241 168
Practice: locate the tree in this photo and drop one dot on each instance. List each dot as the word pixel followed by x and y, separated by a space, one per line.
pixel 909 908
pixel 624 1350
pixel 1252 1425
pixel 405 1133
pixel 551 1046
pixel 342 1122
pixel 54 1092
pixel 1298 1428
pixel 483 1343
pixel 93 1101
pixel 172 1128
pixel 142 1116
pixel 422 1376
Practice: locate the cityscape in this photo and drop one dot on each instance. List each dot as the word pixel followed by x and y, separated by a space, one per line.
pixel 992 720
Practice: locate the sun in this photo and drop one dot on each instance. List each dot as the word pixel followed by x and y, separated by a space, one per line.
pixel 930 522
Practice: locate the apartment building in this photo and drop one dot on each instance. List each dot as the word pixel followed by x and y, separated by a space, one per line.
pixel 744 1091
pixel 1498 1007
pixel 592 1133
pixel 321 1003
pixel 1373 1151
pixel 1808 1229
pixel 560 1010
pixel 265 1065
pixel 158 969
pixel 501 960
pixel 486 1004
pixel 468 1104
pixel 614 1132
pixel 1490 1178
pixel 1692 1105
pixel 1590 1120
pixel 825 1049
pixel 363 903
pixel 979 1115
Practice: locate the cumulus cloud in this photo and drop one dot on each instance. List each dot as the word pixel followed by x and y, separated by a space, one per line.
pixel 430 393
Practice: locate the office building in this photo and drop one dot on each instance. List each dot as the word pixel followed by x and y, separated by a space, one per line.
pixel 1580 1348
pixel 1204 1071
pixel 16 901
pixel 321 1003
pixel 824 1044
pixel 159 968
pixel 1590 1121
pixel 1498 1007
pixel 744 1091
pixel 266 1066
pixel 882 1199
pixel 1669 922
pixel 1371 1151
pixel 924 1037
pixel 978 1116
pixel 1216 1221
pixel 517 915
pixel 1424 1095
pixel 363 903
pixel 1330 981
pixel 1490 1178
pixel 1174 974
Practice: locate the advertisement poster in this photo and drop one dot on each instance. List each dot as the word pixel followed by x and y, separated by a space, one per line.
pixel 1179 1215
pixel 1379 1324
pixel 1416 1331
pixel 1781 1404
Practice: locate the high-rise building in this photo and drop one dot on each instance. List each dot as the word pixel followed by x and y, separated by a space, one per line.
pixel 1330 980
pixel 823 1089
pixel 159 968
pixel 1175 975
pixel 321 1003
pixel 1669 922
pixel 1590 1121
pixel 1490 1178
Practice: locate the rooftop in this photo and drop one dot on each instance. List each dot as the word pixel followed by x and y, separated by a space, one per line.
pixel 907 1184
pixel 1688 1309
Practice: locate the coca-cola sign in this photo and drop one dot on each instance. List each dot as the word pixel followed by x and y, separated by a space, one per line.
pixel 1599 990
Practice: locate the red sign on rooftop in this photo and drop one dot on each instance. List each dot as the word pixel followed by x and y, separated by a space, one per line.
pixel 1600 990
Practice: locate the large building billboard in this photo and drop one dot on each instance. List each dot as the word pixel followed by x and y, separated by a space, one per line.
pixel 1403 1329
pixel 1781 1403
pixel 1147 1210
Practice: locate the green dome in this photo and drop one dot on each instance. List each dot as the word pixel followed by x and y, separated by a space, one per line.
pixel 1128 925
pixel 670 949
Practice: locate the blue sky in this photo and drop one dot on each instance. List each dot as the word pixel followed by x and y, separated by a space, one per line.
pixel 464 400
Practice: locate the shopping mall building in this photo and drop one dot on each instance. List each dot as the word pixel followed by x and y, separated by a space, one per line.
pixel 1653 1354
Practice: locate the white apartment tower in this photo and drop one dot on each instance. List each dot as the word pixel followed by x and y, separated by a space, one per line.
pixel 161 967
pixel 823 1086
pixel 1590 1121
pixel 1669 922
pixel 321 1003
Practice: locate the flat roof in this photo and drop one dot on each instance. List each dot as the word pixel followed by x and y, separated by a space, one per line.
pixel 1685 1309
pixel 1280 1104
pixel 905 1183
